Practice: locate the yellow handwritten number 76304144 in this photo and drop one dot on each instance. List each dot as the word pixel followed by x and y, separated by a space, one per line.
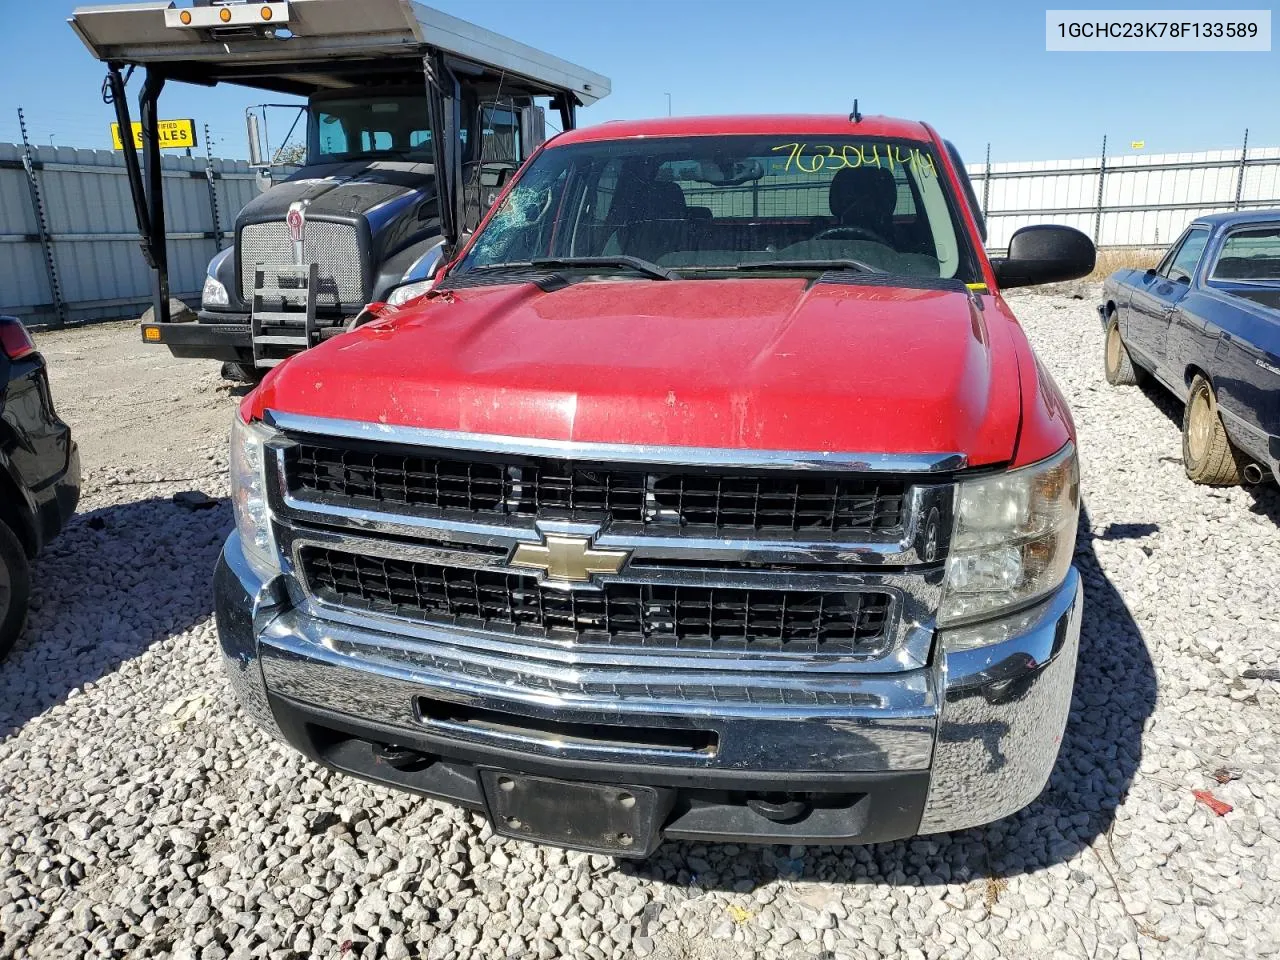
pixel 813 158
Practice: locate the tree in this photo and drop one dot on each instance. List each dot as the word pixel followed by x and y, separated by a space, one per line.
pixel 291 154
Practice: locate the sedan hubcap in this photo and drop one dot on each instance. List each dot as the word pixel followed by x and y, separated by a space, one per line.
pixel 1201 426
pixel 1113 350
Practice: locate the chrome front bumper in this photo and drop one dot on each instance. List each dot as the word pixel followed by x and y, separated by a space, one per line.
pixel 973 735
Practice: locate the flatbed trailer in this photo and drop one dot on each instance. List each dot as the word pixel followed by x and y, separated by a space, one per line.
pixel 327 50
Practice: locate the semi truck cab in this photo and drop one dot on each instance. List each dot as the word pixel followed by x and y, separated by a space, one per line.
pixel 415 120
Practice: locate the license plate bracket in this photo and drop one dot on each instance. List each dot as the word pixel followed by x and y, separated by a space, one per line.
pixel 621 821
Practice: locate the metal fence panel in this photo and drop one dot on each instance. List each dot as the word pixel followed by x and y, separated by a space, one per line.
pixel 93 235
pixel 1131 200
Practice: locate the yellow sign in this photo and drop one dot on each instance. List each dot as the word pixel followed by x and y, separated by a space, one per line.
pixel 1138 144
pixel 174 134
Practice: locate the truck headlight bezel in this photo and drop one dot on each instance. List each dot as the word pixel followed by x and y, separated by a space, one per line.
pixel 214 293
pixel 1013 538
pixel 407 291
pixel 249 500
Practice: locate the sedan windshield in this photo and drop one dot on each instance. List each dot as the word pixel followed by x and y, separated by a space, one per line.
pixel 707 206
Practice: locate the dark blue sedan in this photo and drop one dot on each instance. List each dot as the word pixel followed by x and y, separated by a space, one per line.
pixel 1205 323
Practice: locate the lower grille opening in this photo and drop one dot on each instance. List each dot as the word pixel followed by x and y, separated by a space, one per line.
pixel 457 715
pixel 656 616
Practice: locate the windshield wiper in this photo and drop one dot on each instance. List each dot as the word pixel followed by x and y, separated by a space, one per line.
pixel 632 263
pixel 629 263
pixel 842 264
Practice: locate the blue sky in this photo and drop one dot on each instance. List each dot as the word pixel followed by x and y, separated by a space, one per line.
pixel 977 71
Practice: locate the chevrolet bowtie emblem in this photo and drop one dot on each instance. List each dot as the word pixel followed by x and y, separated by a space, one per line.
pixel 568 558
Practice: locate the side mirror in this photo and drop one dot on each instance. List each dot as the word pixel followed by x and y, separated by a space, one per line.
pixel 255 138
pixel 1045 253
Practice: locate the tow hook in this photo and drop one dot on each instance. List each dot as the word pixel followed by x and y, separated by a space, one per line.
pixel 779 807
pixel 402 758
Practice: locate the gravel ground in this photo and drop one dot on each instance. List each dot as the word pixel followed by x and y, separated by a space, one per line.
pixel 141 815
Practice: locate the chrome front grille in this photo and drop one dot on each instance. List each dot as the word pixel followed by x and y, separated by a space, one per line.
pixel 652 616
pixel 733 562
pixel 335 247
pixel 708 500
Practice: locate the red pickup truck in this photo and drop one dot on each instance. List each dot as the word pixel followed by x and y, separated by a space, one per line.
pixel 712 492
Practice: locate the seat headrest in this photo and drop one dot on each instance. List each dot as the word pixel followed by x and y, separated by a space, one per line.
pixel 863 195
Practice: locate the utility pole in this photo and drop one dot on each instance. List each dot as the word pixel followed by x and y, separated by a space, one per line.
pixel 668 96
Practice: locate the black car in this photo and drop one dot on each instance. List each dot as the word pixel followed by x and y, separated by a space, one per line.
pixel 39 472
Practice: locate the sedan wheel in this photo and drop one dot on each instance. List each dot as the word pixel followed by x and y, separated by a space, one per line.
pixel 1119 367
pixel 1207 452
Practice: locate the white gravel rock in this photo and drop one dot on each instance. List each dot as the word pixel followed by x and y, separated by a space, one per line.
pixel 141 815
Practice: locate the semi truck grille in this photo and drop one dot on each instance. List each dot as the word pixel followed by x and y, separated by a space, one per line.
pixel 811 504
pixel 334 246
pixel 650 616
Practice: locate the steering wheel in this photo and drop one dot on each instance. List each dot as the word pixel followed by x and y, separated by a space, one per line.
pixel 854 233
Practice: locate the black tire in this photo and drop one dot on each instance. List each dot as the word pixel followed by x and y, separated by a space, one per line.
pixel 241 373
pixel 1207 453
pixel 1116 362
pixel 15 589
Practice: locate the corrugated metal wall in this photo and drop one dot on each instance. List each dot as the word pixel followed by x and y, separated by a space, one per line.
pixel 1144 200
pixel 93 235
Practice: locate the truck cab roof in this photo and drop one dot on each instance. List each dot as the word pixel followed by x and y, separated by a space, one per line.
pixel 808 125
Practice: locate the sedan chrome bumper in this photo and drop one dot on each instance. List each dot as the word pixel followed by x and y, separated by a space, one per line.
pixel 967 739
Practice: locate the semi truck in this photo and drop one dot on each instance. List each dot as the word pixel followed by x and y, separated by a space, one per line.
pixel 414 122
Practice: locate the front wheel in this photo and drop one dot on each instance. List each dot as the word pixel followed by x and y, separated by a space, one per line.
pixel 1207 453
pixel 237 372
pixel 15 589
pixel 1117 362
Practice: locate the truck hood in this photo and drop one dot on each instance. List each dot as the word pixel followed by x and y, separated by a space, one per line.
pixel 344 190
pixel 765 364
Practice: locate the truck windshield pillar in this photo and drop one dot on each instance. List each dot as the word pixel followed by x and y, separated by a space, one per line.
pixel 433 67
pixel 154 176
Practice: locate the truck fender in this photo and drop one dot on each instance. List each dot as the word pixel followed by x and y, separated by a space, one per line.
pixel 414 262
pixel 223 269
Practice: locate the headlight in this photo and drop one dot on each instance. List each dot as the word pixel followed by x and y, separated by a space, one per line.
pixel 407 292
pixel 1013 539
pixel 214 294
pixel 249 495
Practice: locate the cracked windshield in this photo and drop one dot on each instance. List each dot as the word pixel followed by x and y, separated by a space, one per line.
pixel 699 205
